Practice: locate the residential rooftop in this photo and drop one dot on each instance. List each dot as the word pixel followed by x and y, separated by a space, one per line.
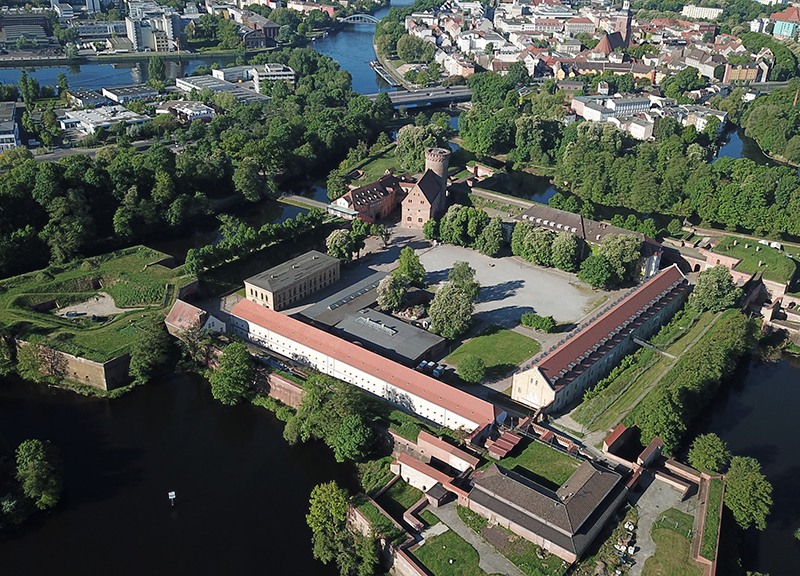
pixel 292 271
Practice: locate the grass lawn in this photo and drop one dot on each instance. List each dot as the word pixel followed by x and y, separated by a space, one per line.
pixel 776 266
pixel 376 166
pixel 429 518
pixel 541 463
pixel 127 275
pixel 671 557
pixel 711 526
pixel 501 350
pixel 600 412
pixel 398 498
pixel 437 552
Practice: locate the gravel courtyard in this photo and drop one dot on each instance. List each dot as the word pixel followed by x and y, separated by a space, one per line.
pixel 510 287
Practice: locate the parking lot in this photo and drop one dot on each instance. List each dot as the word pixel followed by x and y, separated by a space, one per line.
pixel 511 287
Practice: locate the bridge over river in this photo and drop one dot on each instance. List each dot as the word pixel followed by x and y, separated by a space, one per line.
pixel 428 97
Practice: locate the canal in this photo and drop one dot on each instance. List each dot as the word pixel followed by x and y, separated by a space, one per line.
pixel 754 413
pixel 242 491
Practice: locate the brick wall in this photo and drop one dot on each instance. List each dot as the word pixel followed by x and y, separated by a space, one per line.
pixel 285 391
pixel 104 375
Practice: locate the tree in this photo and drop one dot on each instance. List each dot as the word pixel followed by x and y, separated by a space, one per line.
pixel 450 312
pixel 709 453
pixel 543 323
pixel 249 182
pixel 151 351
pixel 156 69
pixel 472 368
pixel 462 276
pixel 339 245
pixel 431 229
pixel 596 271
pixel 359 232
pixel 622 252
pixel 566 252
pixel 747 493
pixel 491 237
pixel 674 227
pixel 412 141
pixel 391 291
pixel 327 518
pixel 715 290
pixel 234 375
pixel 40 472
pixel 352 439
pixel 410 266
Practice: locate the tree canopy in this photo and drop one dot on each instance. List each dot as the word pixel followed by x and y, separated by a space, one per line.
pixel 410 266
pixel 152 350
pixel 234 375
pixel 391 291
pixel 472 368
pixel 709 453
pixel 715 290
pixel 462 276
pixel 450 311
pixel 747 493
pixel 39 470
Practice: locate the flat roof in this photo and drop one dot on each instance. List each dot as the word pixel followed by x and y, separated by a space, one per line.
pixel 7 111
pixel 218 85
pixel 83 94
pixel 103 115
pixel 348 300
pixel 132 90
pixel 388 335
pixel 451 399
pixel 292 271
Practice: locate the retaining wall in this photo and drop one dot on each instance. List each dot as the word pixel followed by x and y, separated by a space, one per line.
pixel 104 375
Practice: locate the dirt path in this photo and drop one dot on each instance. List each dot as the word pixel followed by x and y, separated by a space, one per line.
pixel 101 305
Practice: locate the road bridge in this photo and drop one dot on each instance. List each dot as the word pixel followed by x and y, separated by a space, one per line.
pixel 428 97
pixel 359 19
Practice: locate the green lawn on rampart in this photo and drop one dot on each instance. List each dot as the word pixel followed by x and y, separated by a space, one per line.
pixel 711 527
pixel 775 265
pixel 672 536
pixel 437 552
pixel 501 350
pixel 126 276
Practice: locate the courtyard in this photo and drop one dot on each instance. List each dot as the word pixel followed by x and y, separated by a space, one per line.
pixel 511 287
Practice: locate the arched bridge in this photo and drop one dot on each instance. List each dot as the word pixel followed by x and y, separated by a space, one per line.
pixel 428 97
pixel 360 19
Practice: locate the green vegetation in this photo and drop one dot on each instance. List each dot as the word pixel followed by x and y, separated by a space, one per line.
pixel 775 265
pixel 709 453
pixel 332 541
pixel 437 552
pixel 398 498
pixel 613 397
pixel 501 350
pixel 129 276
pixel 543 323
pixel 471 369
pixel 715 290
pixel 711 527
pixel 151 352
pixel 380 523
pixel 468 226
pixel 747 493
pixel 772 122
pixel 40 473
pixel 234 376
pixel 671 534
pixel 472 519
pixel 429 518
pixel 541 463
pixel 686 389
pixel 450 312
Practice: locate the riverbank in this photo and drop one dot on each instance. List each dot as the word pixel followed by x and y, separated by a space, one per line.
pixel 49 61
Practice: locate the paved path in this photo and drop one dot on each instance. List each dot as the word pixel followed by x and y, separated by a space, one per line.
pixel 491 562
pixel 310 202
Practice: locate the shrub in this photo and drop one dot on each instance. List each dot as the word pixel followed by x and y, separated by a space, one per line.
pixel 543 323
pixel 472 368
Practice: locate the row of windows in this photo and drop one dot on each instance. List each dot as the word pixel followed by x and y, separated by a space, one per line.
pixel 409 219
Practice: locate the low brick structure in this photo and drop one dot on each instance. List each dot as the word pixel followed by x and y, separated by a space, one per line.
pixel 104 375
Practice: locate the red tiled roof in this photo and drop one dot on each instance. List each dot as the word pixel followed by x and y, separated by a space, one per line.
pixel 655 444
pixel 423 468
pixel 417 383
pixel 579 21
pixel 183 315
pixel 570 356
pixel 614 436
pixel 447 447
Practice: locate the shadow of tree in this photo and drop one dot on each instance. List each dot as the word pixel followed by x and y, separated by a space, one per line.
pixel 500 291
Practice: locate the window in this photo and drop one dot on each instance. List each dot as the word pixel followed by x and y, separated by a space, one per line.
pixel 408 219
pixel 419 219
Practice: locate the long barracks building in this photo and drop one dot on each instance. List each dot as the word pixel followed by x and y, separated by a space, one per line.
pixel 407 388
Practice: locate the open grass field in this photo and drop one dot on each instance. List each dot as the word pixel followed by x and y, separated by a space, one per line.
pixel 540 463
pixel 437 552
pixel 127 275
pixel 602 411
pixel 775 266
pixel 672 555
pixel 376 166
pixel 711 526
pixel 501 350
pixel 398 498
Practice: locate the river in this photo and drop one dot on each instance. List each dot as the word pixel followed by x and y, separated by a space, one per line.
pixel 754 414
pixel 241 490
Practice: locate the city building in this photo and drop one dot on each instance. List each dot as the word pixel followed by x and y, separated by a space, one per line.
pixel 428 197
pixel 752 72
pixel 63 11
pixel 84 98
pixel 564 522
pixel 95 29
pixel 125 94
pixel 187 111
pixel 786 22
pixel 90 120
pixel 93 6
pixel 287 283
pixel 199 83
pixel 700 12
pixel 9 129
pixel 265 25
pixel 561 375
pixel 406 388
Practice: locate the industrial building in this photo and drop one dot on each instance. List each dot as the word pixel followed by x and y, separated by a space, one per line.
pixel 200 83
pixel 125 94
pixel 9 129
pixel 90 120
